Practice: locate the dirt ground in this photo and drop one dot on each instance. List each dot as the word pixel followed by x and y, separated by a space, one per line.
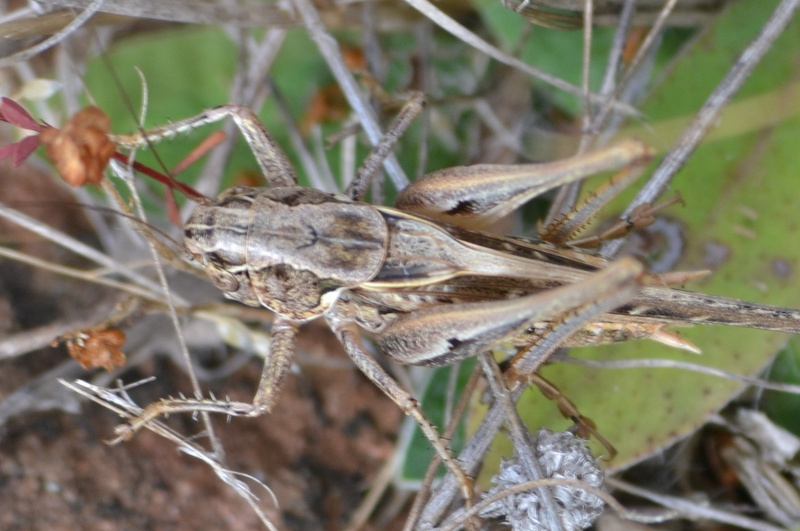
pixel 317 453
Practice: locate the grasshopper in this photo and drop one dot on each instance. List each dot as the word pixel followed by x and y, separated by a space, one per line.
pixel 422 277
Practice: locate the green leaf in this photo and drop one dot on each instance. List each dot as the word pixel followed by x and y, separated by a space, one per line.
pixel 783 407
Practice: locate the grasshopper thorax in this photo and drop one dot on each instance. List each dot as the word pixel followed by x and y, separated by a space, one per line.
pixel 290 249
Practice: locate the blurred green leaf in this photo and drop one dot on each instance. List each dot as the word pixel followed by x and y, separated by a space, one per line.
pixel 783 407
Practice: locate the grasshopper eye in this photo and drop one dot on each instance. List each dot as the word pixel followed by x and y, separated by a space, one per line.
pixel 223 280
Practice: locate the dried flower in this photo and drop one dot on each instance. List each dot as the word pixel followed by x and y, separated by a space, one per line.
pixel 98 348
pixel 81 149
pixel 560 455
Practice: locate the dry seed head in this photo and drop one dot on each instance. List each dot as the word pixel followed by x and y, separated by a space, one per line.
pixel 560 455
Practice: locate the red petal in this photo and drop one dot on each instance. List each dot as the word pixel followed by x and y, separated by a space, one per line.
pixel 13 113
pixel 25 147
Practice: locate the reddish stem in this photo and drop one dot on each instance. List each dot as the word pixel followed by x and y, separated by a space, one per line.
pixel 171 183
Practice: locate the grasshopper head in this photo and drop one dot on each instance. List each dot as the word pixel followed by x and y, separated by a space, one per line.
pixel 290 249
